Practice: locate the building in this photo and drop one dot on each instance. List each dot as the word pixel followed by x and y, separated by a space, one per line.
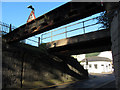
pixel 97 64
pixel 79 57
pixel 107 54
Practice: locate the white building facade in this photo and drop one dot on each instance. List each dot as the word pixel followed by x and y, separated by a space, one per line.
pixel 107 54
pixel 97 64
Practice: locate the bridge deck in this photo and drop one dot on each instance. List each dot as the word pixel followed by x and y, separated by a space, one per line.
pixel 90 42
pixel 62 15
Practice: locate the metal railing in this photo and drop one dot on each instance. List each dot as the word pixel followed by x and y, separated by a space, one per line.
pixel 6 28
pixel 81 27
pixel 35 41
pixel 66 31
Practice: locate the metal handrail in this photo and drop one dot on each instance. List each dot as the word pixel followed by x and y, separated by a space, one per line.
pixel 70 25
pixel 83 27
pixel 51 32
pixel 5 28
pixel 32 40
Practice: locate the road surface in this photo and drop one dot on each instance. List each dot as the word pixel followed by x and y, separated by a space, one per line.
pixel 94 81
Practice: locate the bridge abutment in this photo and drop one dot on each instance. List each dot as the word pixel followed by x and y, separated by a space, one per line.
pixel 115 39
pixel 25 66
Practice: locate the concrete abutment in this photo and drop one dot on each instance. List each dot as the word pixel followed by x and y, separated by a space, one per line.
pixel 25 66
pixel 115 39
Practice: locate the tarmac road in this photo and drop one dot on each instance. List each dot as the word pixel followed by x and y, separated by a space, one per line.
pixel 94 81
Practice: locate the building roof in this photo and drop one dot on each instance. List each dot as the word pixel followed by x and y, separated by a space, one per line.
pixel 96 58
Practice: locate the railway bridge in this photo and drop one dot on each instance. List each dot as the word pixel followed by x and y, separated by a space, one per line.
pixel 90 42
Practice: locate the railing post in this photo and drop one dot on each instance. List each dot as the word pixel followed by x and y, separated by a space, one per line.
pixel 38 41
pixel 83 27
pixel 65 32
pixel 41 38
pixel 10 29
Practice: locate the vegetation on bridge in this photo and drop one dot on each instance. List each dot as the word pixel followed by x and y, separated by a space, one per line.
pixel 92 54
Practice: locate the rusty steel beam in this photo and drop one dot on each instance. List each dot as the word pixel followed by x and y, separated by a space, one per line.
pixel 62 15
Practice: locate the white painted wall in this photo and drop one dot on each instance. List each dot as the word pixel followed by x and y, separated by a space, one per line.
pixel 79 57
pixel 107 54
pixel 107 66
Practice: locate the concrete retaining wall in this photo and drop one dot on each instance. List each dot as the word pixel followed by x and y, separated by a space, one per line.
pixel 29 67
pixel 115 38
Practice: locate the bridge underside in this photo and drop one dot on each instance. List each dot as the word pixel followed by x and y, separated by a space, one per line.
pixel 88 43
pixel 62 15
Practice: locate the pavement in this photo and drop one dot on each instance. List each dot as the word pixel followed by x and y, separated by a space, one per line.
pixel 95 81
pixel 109 85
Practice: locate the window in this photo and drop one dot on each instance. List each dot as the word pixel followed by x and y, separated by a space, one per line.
pixel 95 66
pixel 109 66
pixel 102 65
pixel 90 66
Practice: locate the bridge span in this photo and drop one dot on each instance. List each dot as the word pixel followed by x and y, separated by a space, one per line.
pixel 62 15
pixel 87 43
pixel 90 42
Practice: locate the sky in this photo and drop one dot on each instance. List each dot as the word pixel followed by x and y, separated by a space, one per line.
pixel 16 13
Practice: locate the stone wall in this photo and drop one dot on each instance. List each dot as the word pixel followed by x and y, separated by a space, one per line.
pixel 115 39
pixel 31 67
